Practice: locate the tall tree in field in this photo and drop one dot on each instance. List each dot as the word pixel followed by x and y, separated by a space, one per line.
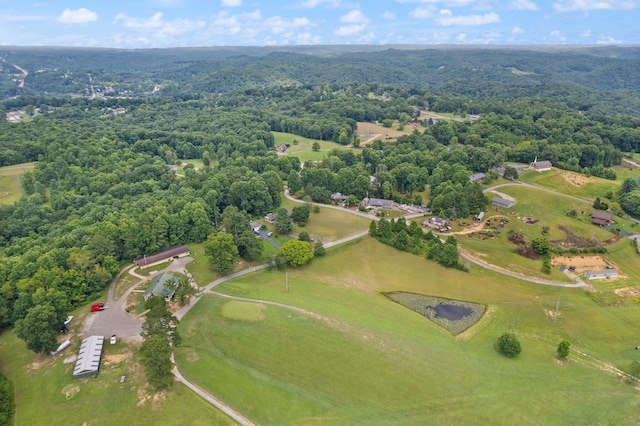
pixel 283 222
pixel 155 354
pixel 39 329
pixel 221 251
pixel 297 252
pixel 564 348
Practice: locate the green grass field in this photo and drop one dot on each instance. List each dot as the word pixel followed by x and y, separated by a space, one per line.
pixel 360 358
pixel 11 191
pixel 47 394
pixel 303 150
pixel 329 224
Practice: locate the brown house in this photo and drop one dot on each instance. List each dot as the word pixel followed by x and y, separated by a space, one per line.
pixel 601 218
pixel 162 256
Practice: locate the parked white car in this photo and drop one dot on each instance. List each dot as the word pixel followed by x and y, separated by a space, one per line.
pixel 113 339
pixel 68 320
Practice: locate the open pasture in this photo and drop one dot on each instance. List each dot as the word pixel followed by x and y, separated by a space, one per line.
pixel 576 184
pixel 329 224
pixel 304 148
pixel 47 394
pixel 356 357
pixel 10 189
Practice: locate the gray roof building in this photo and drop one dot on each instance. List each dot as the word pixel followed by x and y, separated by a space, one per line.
pixel 88 362
pixel 377 202
pixel 502 202
pixel 163 285
pixel 601 274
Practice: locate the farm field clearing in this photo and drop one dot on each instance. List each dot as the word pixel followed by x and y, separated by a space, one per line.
pixel 329 224
pixel 303 150
pixel 10 182
pixel 359 358
pixel 567 182
pixel 46 392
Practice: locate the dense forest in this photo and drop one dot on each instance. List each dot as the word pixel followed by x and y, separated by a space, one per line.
pixel 102 194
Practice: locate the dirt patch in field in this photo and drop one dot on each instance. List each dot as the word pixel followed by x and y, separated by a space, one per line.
pixel 115 359
pixel 193 357
pixel 70 391
pixel 373 129
pixel 576 179
pixel 581 263
pixel 630 292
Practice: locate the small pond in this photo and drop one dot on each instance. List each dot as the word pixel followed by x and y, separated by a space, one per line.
pixel 451 312
pixel 453 315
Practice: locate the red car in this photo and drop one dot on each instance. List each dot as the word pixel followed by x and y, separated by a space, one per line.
pixel 97 307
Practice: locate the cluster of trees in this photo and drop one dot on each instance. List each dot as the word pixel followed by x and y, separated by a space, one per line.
pixel 7 401
pixel 629 196
pixel 160 334
pixel 411 238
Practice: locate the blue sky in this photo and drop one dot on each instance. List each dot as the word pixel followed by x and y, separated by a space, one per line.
pixel 176 23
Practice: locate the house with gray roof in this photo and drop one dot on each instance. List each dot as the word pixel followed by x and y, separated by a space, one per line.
pixel 378 203
pixel 162 256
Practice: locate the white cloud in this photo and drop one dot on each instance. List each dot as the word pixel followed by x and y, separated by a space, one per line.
pixel 461 37
pixel 607 40
pixel 447 3
pixel 79 16
pixel 311 4
pixel 231 3
pixel 447 19
pixel 523 5
pixel 349 30
pixel 585 33
pixel 156 22
pixel 517 30
pixel 388 15
pixel 354 17
pixel 130 22
pixel 423 12
pixel 584 5
pixel 556 36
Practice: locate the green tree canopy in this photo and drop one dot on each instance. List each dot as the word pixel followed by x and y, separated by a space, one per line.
pixel 221 251
pixel 39 329
pixel 297 252
pixel 509 345
pixel 563 348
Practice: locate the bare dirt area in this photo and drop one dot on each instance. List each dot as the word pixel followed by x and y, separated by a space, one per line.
pixel 377 132
pixel 630 292
pixel 582 263
pixel 576 179
pixel 115 359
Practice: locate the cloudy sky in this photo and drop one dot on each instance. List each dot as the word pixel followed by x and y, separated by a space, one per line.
pixel 175 23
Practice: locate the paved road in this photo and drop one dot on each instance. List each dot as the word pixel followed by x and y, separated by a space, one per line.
pixel 114 319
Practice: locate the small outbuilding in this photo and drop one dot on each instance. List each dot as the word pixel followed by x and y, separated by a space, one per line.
pixel 89 356
pixel 540 166
pixel 163 285
pixel 502 202
pixel 476 177
pixel 601 274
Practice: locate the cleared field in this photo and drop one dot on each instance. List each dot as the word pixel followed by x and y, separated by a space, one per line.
pixel 359 358
pixel 46 393
pixel 304 149
pixel 366 128
pixel 10 190
pixel 329 224
pixel 572 183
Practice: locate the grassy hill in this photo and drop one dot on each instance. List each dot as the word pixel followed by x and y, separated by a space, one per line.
pixel 356 357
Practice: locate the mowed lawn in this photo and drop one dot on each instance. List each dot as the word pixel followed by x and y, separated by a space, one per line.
pixel 47 394
pixel 304 148
pixel 357 358
pixel 329 224
pixel 576 184
pixel 10 189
